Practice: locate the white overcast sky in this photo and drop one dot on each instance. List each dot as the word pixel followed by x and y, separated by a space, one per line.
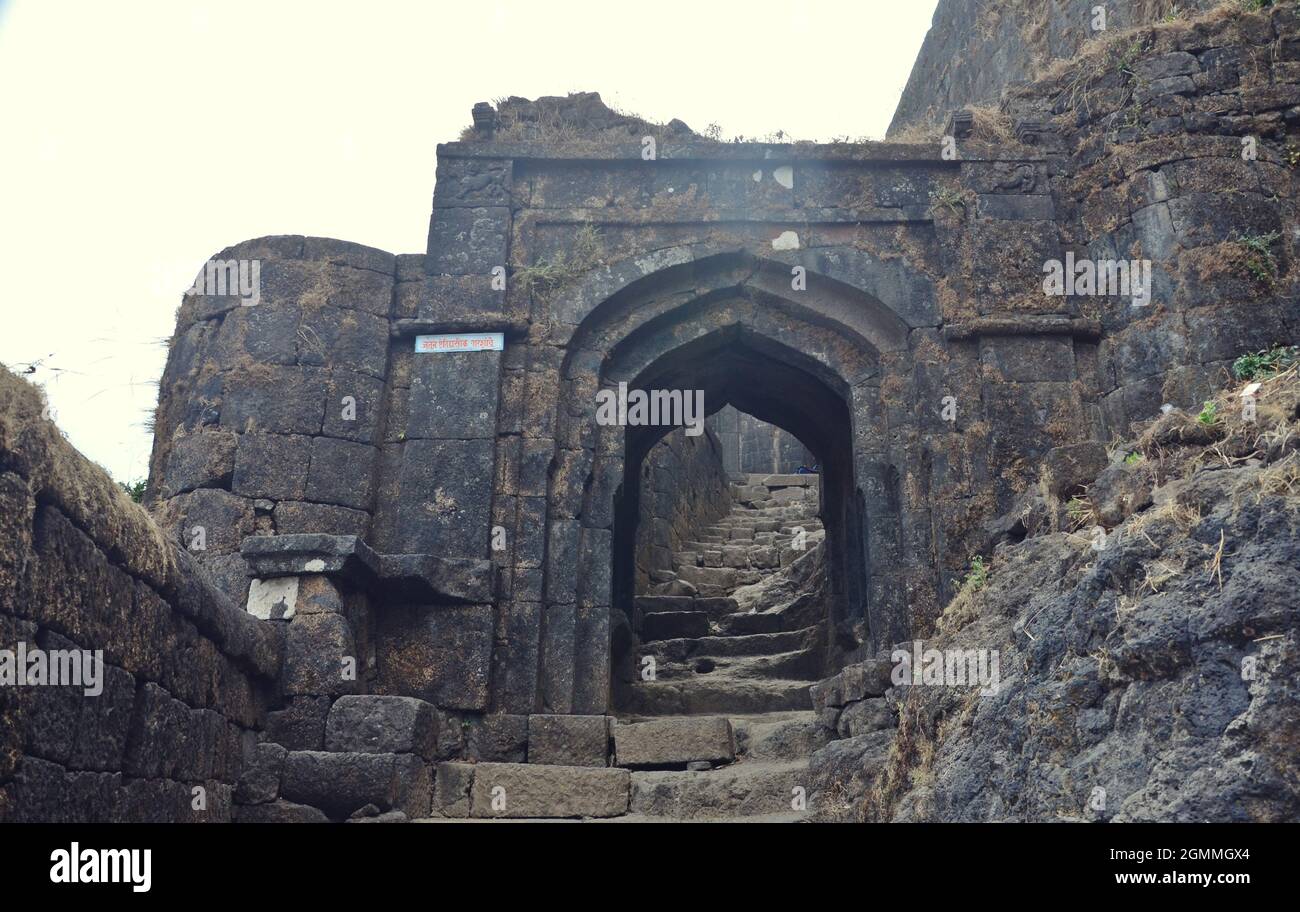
pixel 139 138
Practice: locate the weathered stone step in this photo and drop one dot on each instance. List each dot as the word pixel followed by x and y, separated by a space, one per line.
pixel 674 742
pixel 801 665
pixel 505 790
pixel 774 736
pixel 741 789
pixel 716 695
pixel 670 625
pixel 778 736
pixel 796 665
pixel 679 650
pixel 740 624
pixel 715 607
pixel 710 581
pixel 779 480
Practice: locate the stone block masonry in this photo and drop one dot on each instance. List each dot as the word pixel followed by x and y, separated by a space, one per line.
pixel 384 582
pixel 185 675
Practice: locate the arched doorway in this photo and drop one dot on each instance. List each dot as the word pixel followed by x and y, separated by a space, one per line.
pixel 807 364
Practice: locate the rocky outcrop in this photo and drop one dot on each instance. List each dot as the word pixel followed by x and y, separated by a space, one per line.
pixel 975 49
pixel 1147 659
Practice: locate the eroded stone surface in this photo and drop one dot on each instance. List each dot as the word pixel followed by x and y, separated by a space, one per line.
pixel 527 790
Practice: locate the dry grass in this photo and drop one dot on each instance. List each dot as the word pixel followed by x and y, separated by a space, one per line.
pixel 909 765
pixel 1215 564
pixel 1157 575
pixel 584 253
pixel 992 126
pixel 1282 479
pixel 1114 52
pixel 922 133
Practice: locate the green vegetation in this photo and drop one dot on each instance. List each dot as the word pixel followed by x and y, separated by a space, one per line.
pixel 134 489
pixel 977 576
pixel 1263 363
pixel 1260 261
pixel 1209 415
pixel 1129 55
pixel 948 198
pixel 1133 458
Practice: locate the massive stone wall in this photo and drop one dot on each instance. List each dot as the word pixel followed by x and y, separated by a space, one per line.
pixel 438 550
pixel 271 416
pixel 975 49
pixel 750 445
pixel 446 543
pixel 163 730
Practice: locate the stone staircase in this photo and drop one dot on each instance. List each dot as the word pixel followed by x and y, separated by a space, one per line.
pixel 721 724
pixel 718 634
pixel 725 648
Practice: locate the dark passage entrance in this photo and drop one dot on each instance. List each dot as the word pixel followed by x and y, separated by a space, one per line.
pixel 773 605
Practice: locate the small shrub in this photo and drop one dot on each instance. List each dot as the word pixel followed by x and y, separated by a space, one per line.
pixel 1126 58
pixel 1133 458
pixel 1263 363
pixel 134 489
pixel 977 576
pixel 1209 415
pixel 1260 261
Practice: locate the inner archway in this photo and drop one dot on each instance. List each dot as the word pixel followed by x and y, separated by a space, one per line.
pixel 764 379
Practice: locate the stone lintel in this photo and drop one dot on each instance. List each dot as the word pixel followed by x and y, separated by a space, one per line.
pixel 774 216
pixel 419 578
pixel 288 555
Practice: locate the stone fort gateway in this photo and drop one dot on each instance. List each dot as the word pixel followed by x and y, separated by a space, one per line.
pixel 412 551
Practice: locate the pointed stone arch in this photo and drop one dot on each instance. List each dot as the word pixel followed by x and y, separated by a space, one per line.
pixel 808 361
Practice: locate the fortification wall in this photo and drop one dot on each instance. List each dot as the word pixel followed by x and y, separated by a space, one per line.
pixel 1178 142
pixel 464 536
pixel 159 731
pixel 270 418
pixel 976 49
pixel 435 551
